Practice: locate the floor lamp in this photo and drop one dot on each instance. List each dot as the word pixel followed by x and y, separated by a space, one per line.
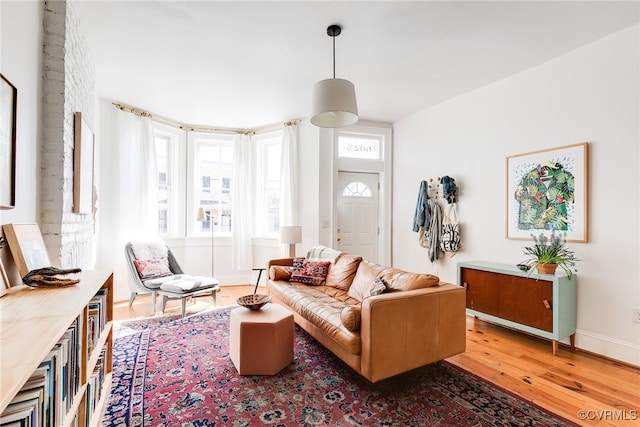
pixel 291 234
pixel 202 216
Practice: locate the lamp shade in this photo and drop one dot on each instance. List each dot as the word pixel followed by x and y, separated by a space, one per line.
pixel 334 103
pixel 291 234
pixel 201 216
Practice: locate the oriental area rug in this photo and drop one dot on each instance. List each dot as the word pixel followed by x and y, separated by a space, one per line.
pixel 177 372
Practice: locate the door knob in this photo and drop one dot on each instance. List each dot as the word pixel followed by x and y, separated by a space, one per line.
pixel 339 239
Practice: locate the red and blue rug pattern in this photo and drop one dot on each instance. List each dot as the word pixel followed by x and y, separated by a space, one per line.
pixel 178 373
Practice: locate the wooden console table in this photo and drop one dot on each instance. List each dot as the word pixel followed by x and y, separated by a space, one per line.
pixel 503 294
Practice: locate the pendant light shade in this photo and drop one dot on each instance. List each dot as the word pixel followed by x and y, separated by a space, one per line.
pixel 334 100
pixel 334 103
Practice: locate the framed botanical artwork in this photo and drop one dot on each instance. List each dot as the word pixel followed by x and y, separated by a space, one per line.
pixel 82 166
pixel 8 104
pixel 27 247
pixel 547 192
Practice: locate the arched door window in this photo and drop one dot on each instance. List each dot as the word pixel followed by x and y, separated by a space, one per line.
pixel 357 189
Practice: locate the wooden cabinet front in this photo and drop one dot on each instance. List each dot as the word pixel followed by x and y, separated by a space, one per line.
pixel 544 306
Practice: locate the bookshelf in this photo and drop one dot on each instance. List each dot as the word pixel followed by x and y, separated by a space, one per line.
pixel 43 325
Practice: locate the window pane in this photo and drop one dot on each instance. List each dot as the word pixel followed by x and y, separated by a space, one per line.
pixel 214 161
pixel 163 163
pixel 359 147
pixel 267 178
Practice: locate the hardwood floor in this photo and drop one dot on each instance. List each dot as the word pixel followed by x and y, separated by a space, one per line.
pixel 584 388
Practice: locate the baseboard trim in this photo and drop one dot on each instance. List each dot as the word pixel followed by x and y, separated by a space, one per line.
pixel 612 349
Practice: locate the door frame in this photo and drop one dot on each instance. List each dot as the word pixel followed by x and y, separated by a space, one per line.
pixel 329 161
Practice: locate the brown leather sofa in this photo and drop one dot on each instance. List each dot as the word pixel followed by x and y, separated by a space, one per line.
pixel 418 320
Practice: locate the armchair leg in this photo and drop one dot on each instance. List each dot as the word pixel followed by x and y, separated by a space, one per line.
pixel 213 295
pixel 153 302
pixel 164 302
pixel 132 297
pixel 184 305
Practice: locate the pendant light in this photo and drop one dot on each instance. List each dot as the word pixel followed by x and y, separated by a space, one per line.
pixel 334 100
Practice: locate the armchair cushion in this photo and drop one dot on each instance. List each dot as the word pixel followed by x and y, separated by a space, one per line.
pixel 152 268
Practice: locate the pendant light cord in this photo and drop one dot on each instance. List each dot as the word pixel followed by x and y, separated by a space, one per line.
pixel 334 56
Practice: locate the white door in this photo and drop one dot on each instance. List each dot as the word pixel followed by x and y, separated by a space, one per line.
pixel 357 231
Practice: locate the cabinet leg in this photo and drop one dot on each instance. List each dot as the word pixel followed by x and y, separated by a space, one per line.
pixel 555 347
pixel 572 339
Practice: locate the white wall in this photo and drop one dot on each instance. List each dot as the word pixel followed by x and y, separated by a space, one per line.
pixel 20 63
pixel 590 94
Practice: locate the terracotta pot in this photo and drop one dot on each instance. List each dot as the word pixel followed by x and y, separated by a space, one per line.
pixel 547 268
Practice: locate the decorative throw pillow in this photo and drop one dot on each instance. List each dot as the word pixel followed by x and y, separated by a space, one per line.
pixel 280 272
pixel 350 317
pixel 312 272
pixel 152 268
pixel 377 287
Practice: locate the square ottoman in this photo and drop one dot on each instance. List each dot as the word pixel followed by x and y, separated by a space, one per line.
pixel 261 341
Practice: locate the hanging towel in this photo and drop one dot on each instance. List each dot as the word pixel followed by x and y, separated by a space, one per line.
pixel 449 188
pixel 421 216
pixel 435 230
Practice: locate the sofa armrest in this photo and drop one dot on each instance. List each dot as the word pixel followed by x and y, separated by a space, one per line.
pixel 286 262
pixel 404 330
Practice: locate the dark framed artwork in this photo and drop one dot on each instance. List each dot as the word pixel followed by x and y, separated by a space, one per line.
pixel 8 105
pixel 547 192
pixel 82 166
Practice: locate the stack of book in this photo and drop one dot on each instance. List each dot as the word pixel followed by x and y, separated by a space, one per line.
pixel 47 396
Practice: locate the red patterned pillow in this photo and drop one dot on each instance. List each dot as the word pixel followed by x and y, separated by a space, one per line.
pixel 310 273
pixel 152 268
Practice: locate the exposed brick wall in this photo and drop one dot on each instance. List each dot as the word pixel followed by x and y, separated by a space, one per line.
pixel 68 86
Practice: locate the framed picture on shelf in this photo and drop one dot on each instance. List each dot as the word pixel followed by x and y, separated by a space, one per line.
pixel 27 247
pixel 8 104
pixel 82 166
pixel 547 193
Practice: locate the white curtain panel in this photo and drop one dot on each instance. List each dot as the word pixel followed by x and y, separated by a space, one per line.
pixel 136 175
pixel 289 178
pixel 242 204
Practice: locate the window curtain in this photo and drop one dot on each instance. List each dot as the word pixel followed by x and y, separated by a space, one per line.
pixel 136 213
pixel 242 204
pixel 289 176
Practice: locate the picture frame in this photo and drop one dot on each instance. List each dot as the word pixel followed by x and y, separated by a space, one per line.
pixel 84 140
pixel 8 121
pixel 27 247
pixel 547 192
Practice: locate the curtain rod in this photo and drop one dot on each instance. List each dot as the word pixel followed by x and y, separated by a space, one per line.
pixel 194 128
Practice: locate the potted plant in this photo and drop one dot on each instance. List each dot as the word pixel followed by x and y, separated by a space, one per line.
pixel 548 253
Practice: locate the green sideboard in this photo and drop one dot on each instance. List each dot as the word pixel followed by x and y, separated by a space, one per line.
pixel 544 306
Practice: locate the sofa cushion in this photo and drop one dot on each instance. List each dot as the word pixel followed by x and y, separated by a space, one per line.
pixel 377 287
pixel 342 271
pixel 320 306
pixel 312 272
pixel 399 280
pixel 280 272
pixel 350 317
pixel 366 274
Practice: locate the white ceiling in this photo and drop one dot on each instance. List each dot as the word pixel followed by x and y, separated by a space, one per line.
pixel 249 64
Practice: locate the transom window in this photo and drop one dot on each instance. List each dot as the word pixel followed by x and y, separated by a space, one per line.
pixel 356 146
pixel 357 189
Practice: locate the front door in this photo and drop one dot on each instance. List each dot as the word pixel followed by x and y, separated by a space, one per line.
pixel 357 231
